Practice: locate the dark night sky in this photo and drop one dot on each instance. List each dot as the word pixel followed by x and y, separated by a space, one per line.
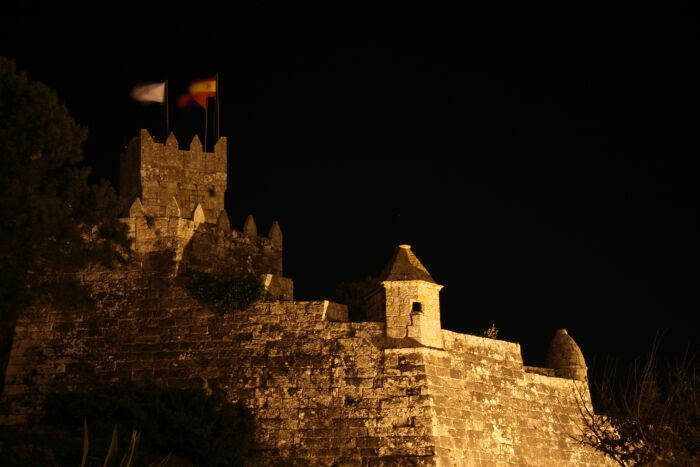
pixel 545 171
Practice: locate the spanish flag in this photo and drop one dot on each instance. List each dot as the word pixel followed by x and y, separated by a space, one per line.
pixel 199 91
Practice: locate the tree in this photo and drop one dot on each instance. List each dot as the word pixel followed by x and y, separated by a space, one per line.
pixel 649 420
pixel 354 295
pixel 53 222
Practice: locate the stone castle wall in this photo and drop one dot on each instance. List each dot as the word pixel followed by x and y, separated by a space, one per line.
pixel 163 244
pixel 490 407
pixel 395 391
pixel 323 390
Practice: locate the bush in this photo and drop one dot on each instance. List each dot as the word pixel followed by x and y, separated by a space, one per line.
pixel 204 428
pixel 491 333
pixel 651 418
pixel 223 294
pixel 38 447
pixel 354 295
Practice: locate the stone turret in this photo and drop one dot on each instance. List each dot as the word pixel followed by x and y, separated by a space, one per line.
pixel 565 357
pixel 411 300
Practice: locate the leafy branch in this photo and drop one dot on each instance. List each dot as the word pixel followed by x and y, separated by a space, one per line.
pixel 223 294
pixel 648 419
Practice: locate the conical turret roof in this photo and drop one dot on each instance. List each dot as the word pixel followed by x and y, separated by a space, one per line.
pixel 404 266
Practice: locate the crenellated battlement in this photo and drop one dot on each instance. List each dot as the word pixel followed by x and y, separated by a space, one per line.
pixel 218 241
pixel 177 217
pixel 157 172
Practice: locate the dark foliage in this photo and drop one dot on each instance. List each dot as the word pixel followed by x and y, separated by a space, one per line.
pixel 197 425
pixel 354 295
pixel 652 418
pixel 21 447
pixel 223 294
pixel 54 222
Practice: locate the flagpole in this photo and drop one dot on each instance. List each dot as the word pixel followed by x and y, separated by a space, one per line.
pixel 218 114
pixel 167 111
pixel 206 122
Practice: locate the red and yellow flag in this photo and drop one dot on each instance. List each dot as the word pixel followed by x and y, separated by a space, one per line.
pixel 199 91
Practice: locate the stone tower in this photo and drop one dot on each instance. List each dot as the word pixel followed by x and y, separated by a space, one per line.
pixel 177 217
pixel 411 301
pixel 156 173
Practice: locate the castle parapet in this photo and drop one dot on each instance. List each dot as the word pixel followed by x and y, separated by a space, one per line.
pixel 214 248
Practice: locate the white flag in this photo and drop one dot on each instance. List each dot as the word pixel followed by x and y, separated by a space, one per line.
pixel 154 92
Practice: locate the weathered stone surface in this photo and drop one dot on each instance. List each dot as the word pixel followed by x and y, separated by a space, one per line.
pixel 223 222
pixel 565 357
pixel 136 209
pixel 275 234
pixel 281 288
pixel 322 390
pixel 198 216
pixel 249 227
pixel 156 172
pixel 164 237
pixel 172 209
pixel 326 392
pixel 405 266
pixel 196 144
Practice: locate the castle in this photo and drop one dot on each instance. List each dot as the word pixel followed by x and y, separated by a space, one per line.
pixel 395 390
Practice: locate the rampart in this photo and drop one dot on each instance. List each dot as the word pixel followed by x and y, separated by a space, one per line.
pixel 324 391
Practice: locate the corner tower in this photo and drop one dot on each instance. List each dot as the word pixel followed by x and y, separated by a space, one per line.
pixel 412 300
pixel 156 173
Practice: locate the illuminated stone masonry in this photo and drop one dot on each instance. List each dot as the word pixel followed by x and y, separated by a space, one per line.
pixel 395 391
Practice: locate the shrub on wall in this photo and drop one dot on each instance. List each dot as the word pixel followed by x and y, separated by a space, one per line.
pixel 200 426
pixel 491 333
pixel 354 295
pixel 223 294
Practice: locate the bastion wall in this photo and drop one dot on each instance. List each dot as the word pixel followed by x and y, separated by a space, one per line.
pixel 324 391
